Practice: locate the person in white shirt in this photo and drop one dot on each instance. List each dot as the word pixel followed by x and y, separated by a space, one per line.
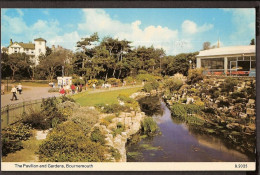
pixel 14 91
pixel 20 88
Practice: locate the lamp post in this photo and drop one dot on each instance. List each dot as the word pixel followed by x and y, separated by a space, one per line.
pixel 190 64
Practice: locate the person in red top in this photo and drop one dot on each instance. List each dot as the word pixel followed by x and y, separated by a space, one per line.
pixel 62 90
pixel 73 88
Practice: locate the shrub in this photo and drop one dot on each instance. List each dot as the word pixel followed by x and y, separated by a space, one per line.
pixel 119 129
pixel 36 119
pixel 100 82
pixel 149 126
pixel 173 84
pixel 145 77
pixel 125 98
pixel 113 108
pixel 148 87
pixel 115 153
pixel 236 95
pixel 66 98
pixel 78 81
pixel 129 80
pixel 92 81
pixel 182 110
pixel 229 84
pixel 68 143
pixel 195 75
pixel 114 81
pixel 85 118
pixel 12 137
pixel 142 72
pixel 107 120
pixel 97 136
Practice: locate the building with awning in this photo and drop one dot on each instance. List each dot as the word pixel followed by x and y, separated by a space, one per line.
pixel 234 60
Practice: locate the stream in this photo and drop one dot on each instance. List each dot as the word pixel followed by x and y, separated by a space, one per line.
pixel 175 142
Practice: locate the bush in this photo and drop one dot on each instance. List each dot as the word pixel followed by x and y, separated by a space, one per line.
pixel 115 153
pixel 78 81
pixel 125 98
pixel 68 143
pixel 182 110
pixel 195 75
pixel 97 136
pixel 85 117
pixel 93 81
pixel 145 77
pixel 229 84
pixel 149 126
pixel 236 95
pixel 100 82
pixel 113 108
pixel 107 120
pixel 12 137
pixel 36 119
pixel 119 129
pixel 148 87
pixel 114 81
pixel 66 98
pixel 129 80
pixel 173 84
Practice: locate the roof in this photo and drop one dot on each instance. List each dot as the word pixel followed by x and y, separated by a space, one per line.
pixel 27 45
pixel 39 39
pixel 233 50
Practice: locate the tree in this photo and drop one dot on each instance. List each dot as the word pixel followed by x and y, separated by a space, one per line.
pixel 16 62
pixel 252 42
pixel 206 45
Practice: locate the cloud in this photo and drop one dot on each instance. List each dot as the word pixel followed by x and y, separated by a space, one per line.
pixel 158 36
pixel 243 21
pixel 190 27
pixel 45 12
pixel 49 30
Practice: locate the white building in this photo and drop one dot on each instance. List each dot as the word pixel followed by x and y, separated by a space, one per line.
pixel 234 60
pixel 32 49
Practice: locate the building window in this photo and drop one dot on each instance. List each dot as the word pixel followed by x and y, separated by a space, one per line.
pixel 229 61
pixel 213 63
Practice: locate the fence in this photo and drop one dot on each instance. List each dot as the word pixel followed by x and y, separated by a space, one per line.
pixel 12 113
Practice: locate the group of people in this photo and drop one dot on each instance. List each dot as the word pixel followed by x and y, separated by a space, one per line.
pixel 14 90
pixel 70 89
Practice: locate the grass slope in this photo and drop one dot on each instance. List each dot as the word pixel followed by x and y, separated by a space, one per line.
pixel 109 97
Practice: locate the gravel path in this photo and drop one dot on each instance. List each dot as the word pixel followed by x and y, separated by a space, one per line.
pixel 32 93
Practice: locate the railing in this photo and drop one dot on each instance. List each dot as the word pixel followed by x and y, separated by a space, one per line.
pixel 13 112
pixel 229 72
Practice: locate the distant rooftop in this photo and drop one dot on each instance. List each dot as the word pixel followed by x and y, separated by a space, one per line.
pixel 228 51
pixel 39 39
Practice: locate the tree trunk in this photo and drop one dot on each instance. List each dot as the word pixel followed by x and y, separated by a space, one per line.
pixel 106 76
pixel 114 72
pixel 119 73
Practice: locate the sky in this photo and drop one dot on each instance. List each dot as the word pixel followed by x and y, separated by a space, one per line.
pixel 176 30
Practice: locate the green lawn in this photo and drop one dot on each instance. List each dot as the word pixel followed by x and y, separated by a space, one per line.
pixel 108 97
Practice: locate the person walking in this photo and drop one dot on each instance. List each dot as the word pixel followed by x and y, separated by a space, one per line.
pixel 62 91
pixel 14 91
pixel 94 86
pixel 20 88
pixel 73 88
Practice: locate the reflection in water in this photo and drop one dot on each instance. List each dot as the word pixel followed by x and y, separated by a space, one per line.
pixel 179 144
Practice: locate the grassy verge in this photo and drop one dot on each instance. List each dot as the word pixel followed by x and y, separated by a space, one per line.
pixel 109 97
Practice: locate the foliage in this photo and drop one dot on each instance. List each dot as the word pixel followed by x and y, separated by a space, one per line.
pixel 113 108
pixel 100 82
pixel 93 81
pixel 68 143
pixel 148 87
pixel 118 130
pixel 236 95
pixel 115 153
pixel 149 126
pixel 195 75
pixel 145 77
pixel 66 98
pixel 125 98
pixel 114 81
pixel 85 117
pixel 229 84
pixel 13 135
pixel 172 84
pixel 97 136
pixel 107 120
pixel 129 79
pixel 78 81
pixel 183 110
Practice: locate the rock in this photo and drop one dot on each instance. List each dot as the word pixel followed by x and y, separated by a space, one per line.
pixel 41 135
pixel 250 111
pixel 242 115
pixel 189 100
pixel 251 101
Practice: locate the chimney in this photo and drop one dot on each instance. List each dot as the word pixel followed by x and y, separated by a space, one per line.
pixel 11 41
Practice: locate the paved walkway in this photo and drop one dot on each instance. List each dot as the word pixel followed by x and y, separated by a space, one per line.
pixel 35 93
pixel 32 93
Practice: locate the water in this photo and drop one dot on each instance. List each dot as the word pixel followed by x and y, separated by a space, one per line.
pixel 177 143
